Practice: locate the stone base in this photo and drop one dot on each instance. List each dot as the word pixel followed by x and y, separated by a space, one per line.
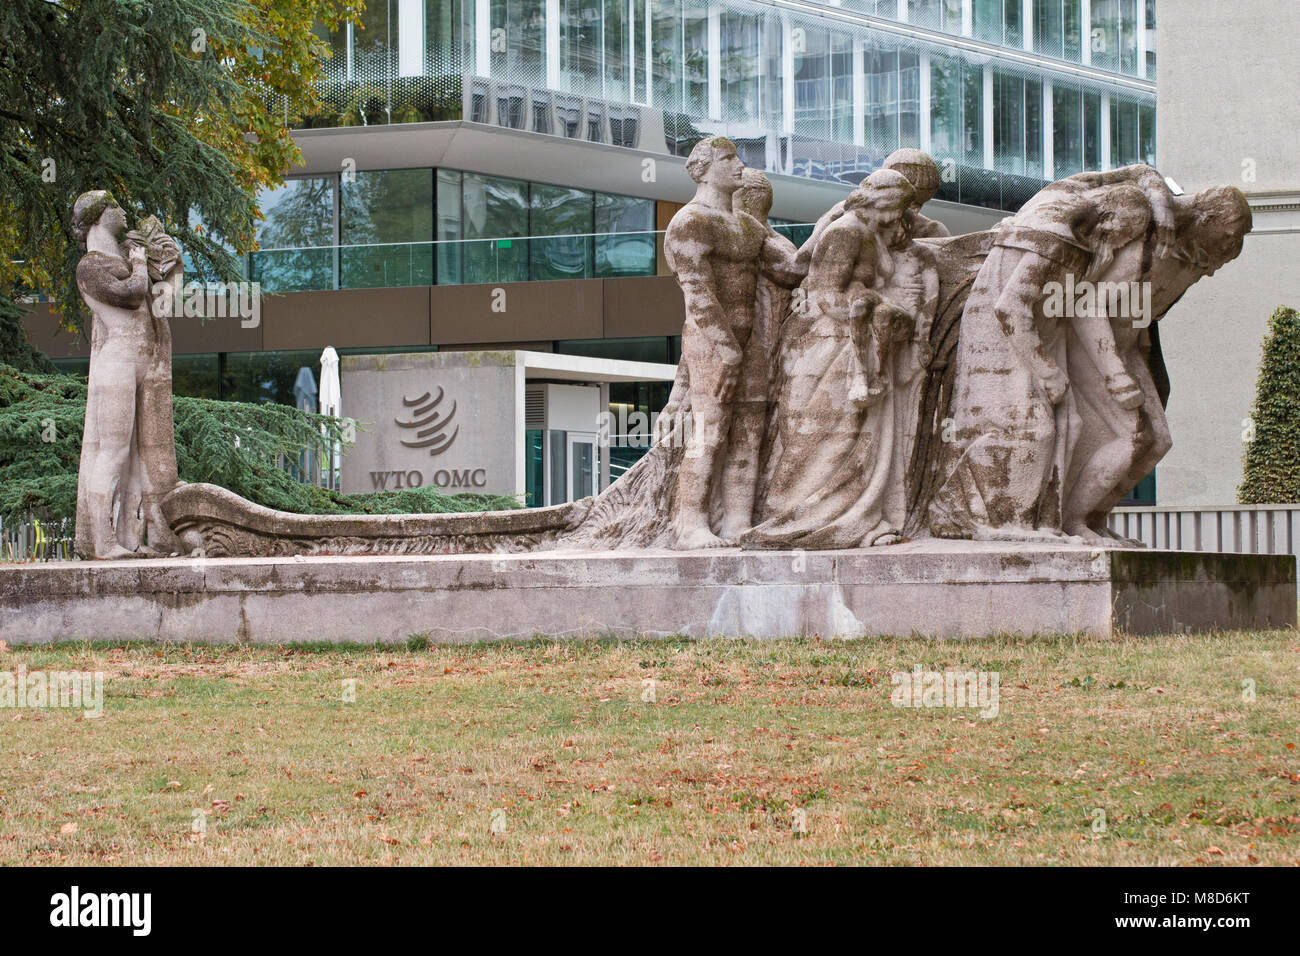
pixel 940 588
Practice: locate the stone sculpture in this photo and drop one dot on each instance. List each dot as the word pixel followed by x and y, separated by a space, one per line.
pixel 1014 424
pixel 923 174
pixel 717 253
pixel 1047 406
pixel 834 439
pixel 1121 447
pixel 128 454
pixel 993 385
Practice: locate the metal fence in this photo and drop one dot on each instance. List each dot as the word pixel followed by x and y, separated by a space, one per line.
pixel 33 540
pixel 1241 529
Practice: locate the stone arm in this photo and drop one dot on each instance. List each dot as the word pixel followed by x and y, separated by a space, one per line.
pixel 114 282
pixel 930 305
pixel 1153 185
pixel 1015 313
pixel 1098 337
pixel 781 261
pixel 810 244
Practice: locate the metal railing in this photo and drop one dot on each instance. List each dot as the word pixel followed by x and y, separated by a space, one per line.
pixel 595 255
pixel 1239 529
pixel 34 539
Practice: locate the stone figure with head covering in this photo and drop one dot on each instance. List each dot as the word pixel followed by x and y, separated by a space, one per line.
pixel 922 173
pixel 832 439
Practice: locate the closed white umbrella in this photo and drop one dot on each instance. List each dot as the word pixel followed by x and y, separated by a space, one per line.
pixel 331 403
pixel 331 391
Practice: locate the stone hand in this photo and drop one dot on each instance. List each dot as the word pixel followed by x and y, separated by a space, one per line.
pixel 1055 384
pixel 1124 390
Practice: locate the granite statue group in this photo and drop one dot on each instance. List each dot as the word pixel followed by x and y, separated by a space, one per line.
pixel 882 381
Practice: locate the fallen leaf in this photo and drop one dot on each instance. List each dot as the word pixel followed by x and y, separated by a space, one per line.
pixel 68 829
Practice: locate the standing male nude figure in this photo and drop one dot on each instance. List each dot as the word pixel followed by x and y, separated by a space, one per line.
pixel 716 254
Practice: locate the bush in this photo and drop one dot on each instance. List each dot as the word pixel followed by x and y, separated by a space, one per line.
pixel 1272 458
pixel 232 444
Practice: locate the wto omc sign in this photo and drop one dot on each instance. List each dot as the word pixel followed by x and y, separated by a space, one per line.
pixel 426 425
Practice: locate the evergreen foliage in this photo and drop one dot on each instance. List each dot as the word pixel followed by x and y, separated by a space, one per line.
pixel 1272 459
pixel 177 107
pixel 233 444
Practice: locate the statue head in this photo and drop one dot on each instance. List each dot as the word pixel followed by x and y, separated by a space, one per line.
pixel 919 170
pixel 715 162
pixel 1123 216
pixel 96 208
pixel 1216 233
pixel 880 202
pixel 754 195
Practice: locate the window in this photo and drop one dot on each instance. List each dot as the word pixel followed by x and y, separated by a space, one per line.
pixel 1092 131
pixel 1123 132
pixel 739 66
pixel 195 376
pixel 1147 135
pixel 581 30
pixel 1072 32
pixel 625 239
pixel 495 213
pixel 881 126
pixel 297 236
pixel 1067 130
pixel 517 41
pixel 945 107
pixel 385 229
pixel 449 215
pixel 560 211
pixel 1048 33
pixel 267 377
pixel 936 14
pixel 972 112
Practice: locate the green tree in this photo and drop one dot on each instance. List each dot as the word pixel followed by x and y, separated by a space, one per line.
pixel 1272 459
pixel 176 106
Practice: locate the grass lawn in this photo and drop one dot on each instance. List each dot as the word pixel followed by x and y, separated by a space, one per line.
pixel 1118 752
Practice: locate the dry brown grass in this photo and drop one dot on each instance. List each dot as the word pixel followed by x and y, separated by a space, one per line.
pixel 554 744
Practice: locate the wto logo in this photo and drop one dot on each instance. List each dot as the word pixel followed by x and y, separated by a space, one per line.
pixel 430 424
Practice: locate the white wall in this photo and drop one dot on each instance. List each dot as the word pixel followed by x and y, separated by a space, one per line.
pixel 1228 77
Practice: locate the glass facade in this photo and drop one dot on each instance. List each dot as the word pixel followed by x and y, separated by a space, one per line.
pixel 410 227
pixel 818 88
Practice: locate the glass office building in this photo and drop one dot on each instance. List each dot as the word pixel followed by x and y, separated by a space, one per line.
pixel 1005 94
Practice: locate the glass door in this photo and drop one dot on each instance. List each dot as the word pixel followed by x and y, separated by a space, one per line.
pixel 583 464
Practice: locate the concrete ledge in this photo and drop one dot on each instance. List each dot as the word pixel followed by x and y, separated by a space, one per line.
pixel 945 589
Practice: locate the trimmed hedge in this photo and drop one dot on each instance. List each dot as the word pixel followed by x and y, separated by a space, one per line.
pixel 1272 458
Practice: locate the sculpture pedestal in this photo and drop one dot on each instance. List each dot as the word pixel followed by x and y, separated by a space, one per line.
pixel 941 588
